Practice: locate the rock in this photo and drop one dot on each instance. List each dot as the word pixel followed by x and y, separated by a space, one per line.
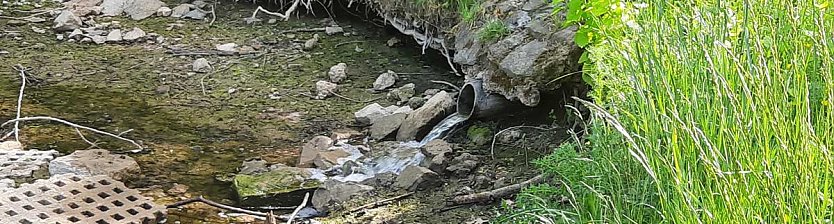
pixel 509 137
pixel 60 37
pixel 385 80
pixel 333 194
pixel 440 153
pixel 251 20
pixel 344 134
pixel 430 92
pixel 114 36
pixel 325 89
pixel 134 34
pixel 113 7
pixel 403 93
pixel 386 125
pixel 331 30
pixel 417 177
pixel 36 19
pixel 164 11
pixel 181 10
pixel 11 146
pixel 521 60
pixel 421 120
pixel 141 9
pixel 76 34
pixel 197 14
pixel 282 186
pixel 311 43
pixel 66 21
pixel 416 102
pixel 199 3
pixel 393 41
pixel 326 159
pixel 85 11
pixel 178 189
pixel 272 21
pixel 403 110
pixel 98 39
pixel 369 114
pixel 82 3
pixel 227 47
pixel 311 149
pixel 391 109
pixel 463 164
pixel 253 166
pixel 338 73
pixel 381 180
pixel 95 162
pixel 201 65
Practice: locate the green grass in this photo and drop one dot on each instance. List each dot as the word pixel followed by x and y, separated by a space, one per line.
pixel 468 10
pixel 493 30
pixel 708 112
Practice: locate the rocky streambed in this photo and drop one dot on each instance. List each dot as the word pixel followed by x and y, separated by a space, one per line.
pixel 257 112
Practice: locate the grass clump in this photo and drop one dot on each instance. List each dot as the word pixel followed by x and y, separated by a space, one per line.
pixel 468 10
pixel 493 30
pixel 705 112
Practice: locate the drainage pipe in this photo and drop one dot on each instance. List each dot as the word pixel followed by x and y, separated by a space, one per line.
pixel 474 102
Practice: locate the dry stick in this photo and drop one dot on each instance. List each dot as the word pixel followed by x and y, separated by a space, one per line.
pixel 446 83
pixel 303 203
pixel 445 53
pixel 213 14
pixel 494 137
pixel 285 16
pixel 303 30
pixel 85 139
pixel 381 202
pixel 73 125
pixel 496 193
pixel 216 205
pixel 19 101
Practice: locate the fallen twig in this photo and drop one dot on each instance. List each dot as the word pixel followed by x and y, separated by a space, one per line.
pixel 213 14
pixel 295 212
pixel 495 137
pixel 349 42
pixel 446 83
pixel 496 193
pixel 285 16
pixel 216 205
pixel 19 100
pixel 381 202
pixel 92 144
pixel 74 125
pixel 303 30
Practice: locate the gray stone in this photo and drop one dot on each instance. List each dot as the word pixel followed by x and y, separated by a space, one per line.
pixel 95 162
pixel 10 146
pixel 331 30
pixel 227 47
pixel 201 65
pixel 134 34
pixel 338 73
pixel 520 61
pixel 403 93
pixel 98 39
pixel 199 3
pixel 66 21
pixel 164 11
pixel 403 110
pixel 333 194
pixel 254 166
pixel 381 180
pixel 328 158
pixel 533 5
pixel 311 149
pixel 311 43
pixel 76 34
pixel 197 14
pixel 281 186
pixel 385 80
pixel 369 114
pixel 500 49
pixel 417 177
pixel 180 10
pixel 82 3
pixel 509 137
pixel 113 7
pixel 386 125
pixel 251 20
pixel 421 120
pixel 440 153
pixel 114 36
pixel 325 89
pixel 430 92
pixel 463 165
pixel 141 9
pixel 416 102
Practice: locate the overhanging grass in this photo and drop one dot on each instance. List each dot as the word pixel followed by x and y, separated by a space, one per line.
pixel 711 112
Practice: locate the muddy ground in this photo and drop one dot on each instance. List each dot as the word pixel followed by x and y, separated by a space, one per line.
pixel 199 127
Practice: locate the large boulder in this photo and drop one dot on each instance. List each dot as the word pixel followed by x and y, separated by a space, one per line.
pixel 311 149
pixel 417 178
pixel 281 186
pixel 387 125
pixel 420 121
pixel 333 194
pixel 95 162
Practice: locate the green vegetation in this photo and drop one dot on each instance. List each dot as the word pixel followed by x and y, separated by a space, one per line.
pixel 468 10
pixel 479 135
pixel 704 112
pixel 493 30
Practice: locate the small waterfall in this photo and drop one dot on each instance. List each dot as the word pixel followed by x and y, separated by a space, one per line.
pixel 439 130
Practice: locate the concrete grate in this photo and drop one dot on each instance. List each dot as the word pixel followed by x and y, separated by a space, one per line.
pixel 77 199
pixel 15 164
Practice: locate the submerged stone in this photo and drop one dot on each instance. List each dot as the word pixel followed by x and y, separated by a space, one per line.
pixel 282 186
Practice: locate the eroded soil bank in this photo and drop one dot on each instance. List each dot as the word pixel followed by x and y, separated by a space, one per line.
pixel 199 127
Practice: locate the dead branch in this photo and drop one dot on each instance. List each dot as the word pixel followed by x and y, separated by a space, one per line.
pixel 216 205
pixel 213 14
pixel 74 125
pixel 285 16
pixel 446 54
pixel 381 202
pixel 22 71
pixel 92 144
pixel 502 192
pixel 295 212
pixel 446 83
pixel 495 137
pixel 300 30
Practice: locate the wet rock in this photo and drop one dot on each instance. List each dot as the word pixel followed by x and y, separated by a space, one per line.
pixel 180 10
pixel 340 135
pixel 66 21
pixel 420 121
pixel 114 36
pixel 416 102
pixel 463 164
pixel 311 43
pixel 253 166
pixel 282 186
pixel 325 89
pixel 331 30
pixel 227 47
pixel 197 14
pixel 333 194
pixel 38 30
pixel 95 162
pixel 134 34
pixel 403 93
pixel 311 149
pixel 11 146
pixel 387 125
pixel 164 11
pixel 338 73
pixel 381 180
pixel 201 65
pixel 327 158
pixel 417 177
pixel 385 80
pixel 141 9
pixel 369 114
